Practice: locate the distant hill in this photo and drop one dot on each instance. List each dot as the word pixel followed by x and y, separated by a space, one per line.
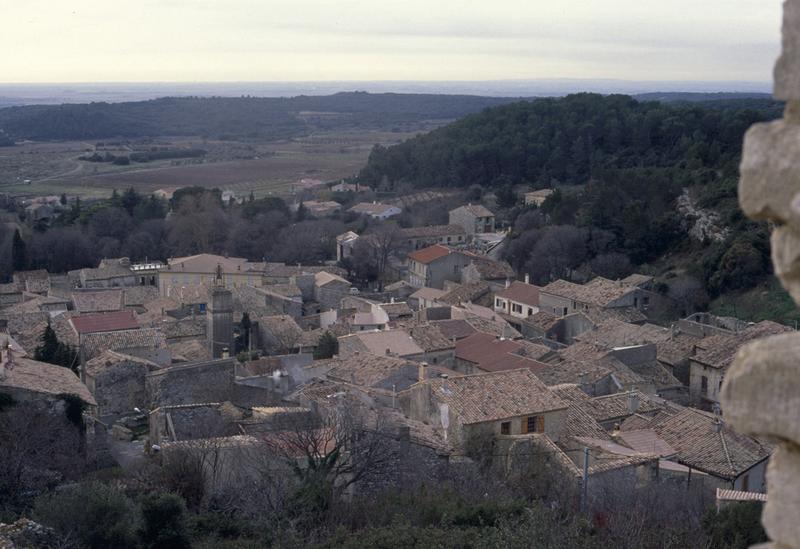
pixel 235 117
pixel 566 140
pixel 692 97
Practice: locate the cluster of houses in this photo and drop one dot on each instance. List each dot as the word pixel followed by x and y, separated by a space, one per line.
pixel 210 346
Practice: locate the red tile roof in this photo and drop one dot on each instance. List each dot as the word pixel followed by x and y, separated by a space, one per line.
pixel 521 293
pixel 430 254
pixel 480 348
pixel 105 322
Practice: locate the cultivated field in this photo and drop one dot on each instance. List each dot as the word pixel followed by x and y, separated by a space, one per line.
pixel 241 166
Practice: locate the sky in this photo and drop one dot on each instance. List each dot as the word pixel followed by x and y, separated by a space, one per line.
pixel 320 40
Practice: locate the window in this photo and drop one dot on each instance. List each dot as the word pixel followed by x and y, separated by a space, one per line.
pixel 574 306
pixel 635 301
pixel 533 424
pixel 745 483
pixel 530 311
pixel 505 428
pixel 448 240
pixel 516 307
pixel 498 303
pixel 565 311
pixel 703 385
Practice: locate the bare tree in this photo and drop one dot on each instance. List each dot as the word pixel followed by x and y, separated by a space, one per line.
pixel 328 457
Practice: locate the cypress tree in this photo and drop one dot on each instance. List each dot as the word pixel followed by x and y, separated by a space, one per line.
pixel 19 252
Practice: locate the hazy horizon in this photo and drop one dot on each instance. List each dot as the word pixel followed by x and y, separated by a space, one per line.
pixel 313 40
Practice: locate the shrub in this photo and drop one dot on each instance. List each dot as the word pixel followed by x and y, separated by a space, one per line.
pixel 164 522
pixel 96 515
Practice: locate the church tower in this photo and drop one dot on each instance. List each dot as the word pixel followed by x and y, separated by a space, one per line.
pixel 219 318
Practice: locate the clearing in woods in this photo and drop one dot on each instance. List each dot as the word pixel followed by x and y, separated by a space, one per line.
pixel 35 169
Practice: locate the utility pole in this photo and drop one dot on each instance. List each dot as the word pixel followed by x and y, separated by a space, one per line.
pixel 584 487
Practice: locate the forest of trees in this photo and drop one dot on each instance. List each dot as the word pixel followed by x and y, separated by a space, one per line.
pixel 262 117
pixel 568 140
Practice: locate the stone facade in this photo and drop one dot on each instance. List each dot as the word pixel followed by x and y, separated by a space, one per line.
pixel 761 392
pixel 191 383
pixel 220 322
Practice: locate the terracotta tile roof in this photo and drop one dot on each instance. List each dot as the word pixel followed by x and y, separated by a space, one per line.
pixel 37 282
pixel 398 342
pixel 521 293
pixel 573 371
pixel 467 293
pixel 495 396
pixel 107 359
pixel 104 322
pixel 323 277
pixel 40 377
pixel 432 231
pixel 140 295
pixel 429 294
pixel 496 327
pixel 477 210
pixel 106 272
pixel 702 444
pixel 718 351
pixel 184 328
pixel 637 279
pixel 489 269
pixel 598 291
pixel 481 348
pixel 625 314
pixel 207 264
pixel 430 254
pixel 456 328
pixel 429 337
pixel 615 406
pixel 95 344
pixel 371 208
pixel 646 440
pixel 190 350
pixel 397 309
pixel 282 327
pixel 96 301
pixel 369 370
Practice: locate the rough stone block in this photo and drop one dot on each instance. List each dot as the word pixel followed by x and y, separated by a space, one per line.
pixel 783 484
pixel 787 68
pixel 786 258
pixel 759 396
pixel 770 171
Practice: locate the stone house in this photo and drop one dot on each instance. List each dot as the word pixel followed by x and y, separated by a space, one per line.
pixel 425 297
pixel 103 322
pixel 713 356
pixel 203 269
pixel 500 403
pixel 485 269
pixel 482 352
pixel 704 442
pixel 210 381
pixel 434 265
pixel 537 198
pixel 562 297
pixel 117 382
pixel 33 282
pixel 518 300
pixel 280 334
pixel 98 301
pixel 376 210
pixel 329 289
pixel 473 218
pixel 145 343
pixel 345 243
pixel 31 381
pixel 395 343
pixel 111 273
pixel 415 238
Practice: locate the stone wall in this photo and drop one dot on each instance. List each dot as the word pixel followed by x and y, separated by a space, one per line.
pixel 761 393
pixel 191 383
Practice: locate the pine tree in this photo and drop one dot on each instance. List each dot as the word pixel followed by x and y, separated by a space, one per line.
pixel 48 350
pixel 63 199
pixel 19 252
pixel 302 213
pixel 327 347
pixel 252 197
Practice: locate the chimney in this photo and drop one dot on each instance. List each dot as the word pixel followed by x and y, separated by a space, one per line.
pixel 527 279
pixel 633 402
pixel 717 418
pixel 225 352
pixel 508 282
pixel 423 371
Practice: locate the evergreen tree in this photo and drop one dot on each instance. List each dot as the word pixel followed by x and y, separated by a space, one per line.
pixel 129 200
pixel 19 252
pixel 63 199
pixel 252 197
pixel 327 347
pixel 302 213
pixel 48 350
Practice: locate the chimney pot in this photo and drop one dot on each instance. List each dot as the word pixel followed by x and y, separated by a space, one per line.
pixel 423 371
pixel 527 279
